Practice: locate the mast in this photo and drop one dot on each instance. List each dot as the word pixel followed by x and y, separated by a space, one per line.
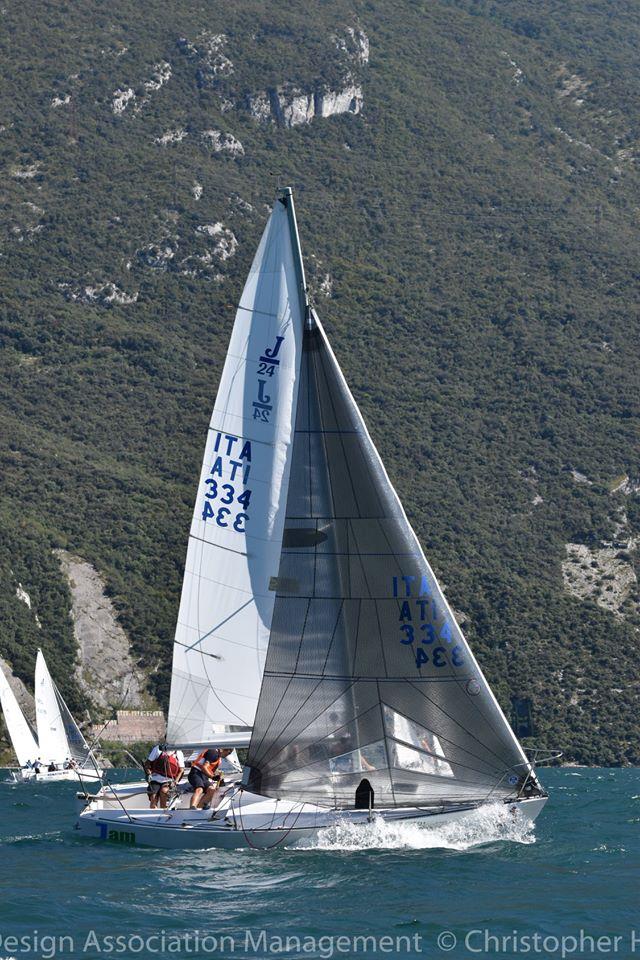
pixel 286 198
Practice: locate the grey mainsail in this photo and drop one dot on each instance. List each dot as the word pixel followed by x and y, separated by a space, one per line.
pixel 78 747
pixel 367 675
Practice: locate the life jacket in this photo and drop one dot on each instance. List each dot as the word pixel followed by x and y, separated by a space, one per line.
pixel 165 765
pixel 208 767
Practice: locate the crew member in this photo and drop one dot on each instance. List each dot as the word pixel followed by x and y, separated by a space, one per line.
pixel 205 776
pixel 163 768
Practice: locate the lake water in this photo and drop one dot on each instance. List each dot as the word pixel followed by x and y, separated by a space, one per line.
pixel 551 891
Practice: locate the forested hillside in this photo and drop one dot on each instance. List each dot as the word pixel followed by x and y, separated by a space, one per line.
pixel 467 185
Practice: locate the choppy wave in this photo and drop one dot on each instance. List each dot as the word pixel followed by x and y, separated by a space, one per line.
pixel 491 824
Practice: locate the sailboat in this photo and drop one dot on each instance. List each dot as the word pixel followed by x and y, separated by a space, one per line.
pixel 60 739
pixel 20 732
pixel 311 627
pixel 60 751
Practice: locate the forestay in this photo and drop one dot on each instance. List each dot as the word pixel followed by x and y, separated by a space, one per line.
pixel 20 733
pixel 368 676
pixel 236 531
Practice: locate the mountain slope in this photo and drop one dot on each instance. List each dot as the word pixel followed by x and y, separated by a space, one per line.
pixel 471 231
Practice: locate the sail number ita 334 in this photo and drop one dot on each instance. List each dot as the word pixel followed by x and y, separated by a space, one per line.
pixel 424 626
pixel 226 501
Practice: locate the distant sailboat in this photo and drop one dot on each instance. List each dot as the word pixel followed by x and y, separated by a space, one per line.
pixel 60 751
pixel 19 729
pixel 59 737
pixel 311 625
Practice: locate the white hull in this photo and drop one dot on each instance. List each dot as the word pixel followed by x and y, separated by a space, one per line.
pixel 47 776
pixel 248 821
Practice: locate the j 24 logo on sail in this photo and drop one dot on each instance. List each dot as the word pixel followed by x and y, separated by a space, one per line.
pixel 267 366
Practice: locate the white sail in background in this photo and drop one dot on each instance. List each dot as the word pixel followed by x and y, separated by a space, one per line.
pixel 54 747
pixel 236 532
pixel 20 732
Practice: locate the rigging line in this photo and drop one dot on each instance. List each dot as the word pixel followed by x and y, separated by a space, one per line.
pixel 363 678
pixel 319 677
pixel 308 375
pixel 349 589
pixel 322 432
pixel 356 416
pixel 253 750
pixel 337 730
pixel 304 626
pixel 214 656
pixel 333 636
pixel 353 489
pixel 477 706
pixel 442 757
pixel 123 700
pixel 457 746
pixel 290 678
pixel 496 785
pixel 458 724
pixel 274 714
pixel 218 625
pixel 355 646
pixel 319 374
pixel 321 363
pixel 324 709
pixel 241 720
pixel 279 840
pixel 202 653
pixel 385 739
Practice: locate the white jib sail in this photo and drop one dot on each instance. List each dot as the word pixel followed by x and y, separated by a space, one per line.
pixel 52 737
pixel 235 539
pixel 22 738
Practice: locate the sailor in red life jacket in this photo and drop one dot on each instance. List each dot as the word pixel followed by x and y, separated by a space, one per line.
pixel 163 767
pixel 205 776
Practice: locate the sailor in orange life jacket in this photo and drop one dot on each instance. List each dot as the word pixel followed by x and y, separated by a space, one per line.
pixel 163 767
pixel 205 777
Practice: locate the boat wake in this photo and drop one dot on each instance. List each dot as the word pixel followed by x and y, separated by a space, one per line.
pixel 490 825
